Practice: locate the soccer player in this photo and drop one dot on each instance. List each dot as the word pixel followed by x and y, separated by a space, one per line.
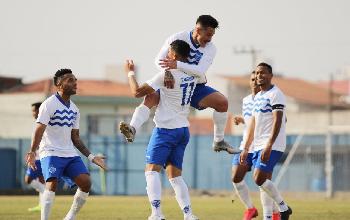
pixel 267 129
pixel 167 144
pixel 201 57
pixel 57 133
pixel 35 178
pixel 239 170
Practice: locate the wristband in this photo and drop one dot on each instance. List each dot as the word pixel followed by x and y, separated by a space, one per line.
pixel 131 73
pixel 91 157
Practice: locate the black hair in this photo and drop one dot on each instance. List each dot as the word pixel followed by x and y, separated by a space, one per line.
pixel 266 65
pixel 207 21
pixel 36 105
pixel 181 48
pixel 59 74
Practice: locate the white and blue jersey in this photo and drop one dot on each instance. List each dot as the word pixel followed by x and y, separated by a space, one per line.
pixel 171 134
pixel 198 63
pixel 265 103
pixel 199 60
pixel 59 119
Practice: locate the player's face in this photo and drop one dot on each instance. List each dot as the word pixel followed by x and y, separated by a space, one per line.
pixel 263 76
pixel 205 35
pixel 69 84
pixel 253 86
pixel 171 54
pixel 35 112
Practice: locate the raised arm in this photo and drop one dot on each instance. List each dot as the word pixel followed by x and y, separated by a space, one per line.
pixel 136 90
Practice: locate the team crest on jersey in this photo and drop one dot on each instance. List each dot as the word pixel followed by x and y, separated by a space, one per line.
pixel 52 170
pixel 186 79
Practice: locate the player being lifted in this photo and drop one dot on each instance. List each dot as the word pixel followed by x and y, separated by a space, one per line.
pixel 169 138
pixel 201 57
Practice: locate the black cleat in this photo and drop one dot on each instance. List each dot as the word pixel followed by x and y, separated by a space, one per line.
pixel 285 215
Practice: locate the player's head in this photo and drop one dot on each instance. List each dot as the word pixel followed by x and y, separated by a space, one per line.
pixel 179 50
pixel 263 73
pixel 35 109
pixel 252 83
pixel 65 81
pixel 205 29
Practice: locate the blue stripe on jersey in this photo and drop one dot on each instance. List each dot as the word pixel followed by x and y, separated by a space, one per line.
pixel 247 114
pixel 193 62
pixel 62 118
pixel 263 110
pixel 248 103
pixel 192 41
pixel 61 124
pixel 65 111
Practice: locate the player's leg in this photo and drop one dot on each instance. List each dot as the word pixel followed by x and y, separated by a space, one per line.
pixel 157 153
pixel 76 170
pixel 140 116
pixel 174 173
pixel 262 177
pixel 52 168
pixel 35 179
pixel 207 97
pixel 241 188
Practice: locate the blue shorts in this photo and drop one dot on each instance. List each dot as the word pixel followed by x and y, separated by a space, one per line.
pixel 200 92
pixel 33 174
pixel 56 167
pixel 167 146
pixel 268 167
pixel 235 160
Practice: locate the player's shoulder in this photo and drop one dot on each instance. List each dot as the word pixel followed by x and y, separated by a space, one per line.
pixel 49 101
pixel 182 35
pixel 73 106
pixel 248 98
pixel 276 91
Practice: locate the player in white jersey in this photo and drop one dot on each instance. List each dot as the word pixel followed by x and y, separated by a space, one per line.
pixel 267 129
pixel 201 57
pixel 35 178
pixel 239 170
pixel 171 135
pixel 57 133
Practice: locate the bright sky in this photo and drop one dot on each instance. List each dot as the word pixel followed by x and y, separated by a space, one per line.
pixel 302 38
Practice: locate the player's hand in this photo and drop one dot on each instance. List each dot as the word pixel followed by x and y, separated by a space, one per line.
pixel 265 154
pixel 243 157
pixel 129 66
pixel 238 120
pixel 168 64
pixel 169 80
pixel 100 161
pixel 30 160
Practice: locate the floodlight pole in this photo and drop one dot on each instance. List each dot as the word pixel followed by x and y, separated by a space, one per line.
pixel 328 147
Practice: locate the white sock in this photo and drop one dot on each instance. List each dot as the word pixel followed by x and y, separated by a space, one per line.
pixel 78 202
pixel 140 116
pixel 267 204
pixel 243 192
pixel 37 185
pixel 46 204
pixel 181 194
pixel 154 191
pixel 219 119
pixel 275 208
pixel 272 191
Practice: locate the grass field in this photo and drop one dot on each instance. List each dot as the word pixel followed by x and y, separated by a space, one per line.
pixel 212 208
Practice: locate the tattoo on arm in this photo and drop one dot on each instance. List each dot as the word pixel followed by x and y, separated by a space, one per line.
pixel 168 76
pixel 78 143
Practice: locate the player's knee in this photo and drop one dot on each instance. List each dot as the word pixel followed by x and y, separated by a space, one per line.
pixel 259 180
pixel 221 103
pixel 86 186
pixel 151 100
pixel 237 179
pixel 27 180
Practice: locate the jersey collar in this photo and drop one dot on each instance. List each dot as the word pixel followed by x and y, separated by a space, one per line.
pixel 61 100
pixel 192 41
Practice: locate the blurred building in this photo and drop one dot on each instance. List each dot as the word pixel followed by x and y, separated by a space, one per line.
pixel 308 103
pixel 100 103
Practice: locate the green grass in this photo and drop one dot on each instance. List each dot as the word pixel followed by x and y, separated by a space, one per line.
pixel 305 207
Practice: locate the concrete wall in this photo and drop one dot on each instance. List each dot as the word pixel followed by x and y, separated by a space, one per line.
pixel 15 114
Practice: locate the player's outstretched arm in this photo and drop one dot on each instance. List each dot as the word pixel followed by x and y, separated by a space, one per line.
pixel 136 90
pixel 37 136
pixel 79 144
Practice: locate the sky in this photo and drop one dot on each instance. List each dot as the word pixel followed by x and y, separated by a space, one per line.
pixel 306 39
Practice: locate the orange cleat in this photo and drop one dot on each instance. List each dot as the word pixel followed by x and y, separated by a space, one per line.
pixel 276 216
pixel 250 213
